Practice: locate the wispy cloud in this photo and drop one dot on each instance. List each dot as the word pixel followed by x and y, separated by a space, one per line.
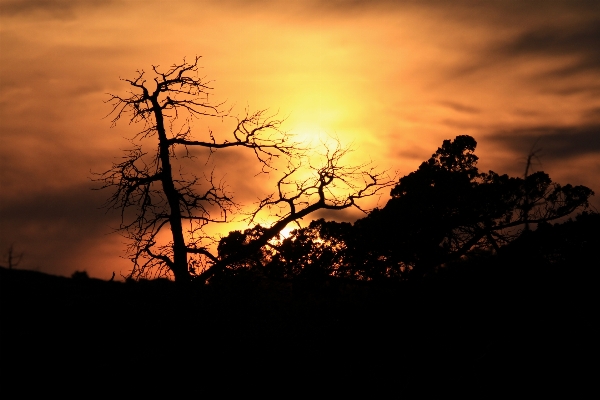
pixel 577 44
pixel 556 143
pixel 56 9
pixel 462 108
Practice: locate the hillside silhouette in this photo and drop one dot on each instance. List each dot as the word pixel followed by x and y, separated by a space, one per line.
pixel 443 278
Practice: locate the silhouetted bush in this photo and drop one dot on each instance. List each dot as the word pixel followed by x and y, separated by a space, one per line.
pixel 79 275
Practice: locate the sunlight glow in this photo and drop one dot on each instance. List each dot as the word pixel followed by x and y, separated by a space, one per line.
pixel 287 231
pixel 391 82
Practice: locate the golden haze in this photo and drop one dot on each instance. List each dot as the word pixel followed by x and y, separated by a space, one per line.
pixel 390 78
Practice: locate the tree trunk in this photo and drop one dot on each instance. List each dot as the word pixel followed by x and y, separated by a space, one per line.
pixel 180 265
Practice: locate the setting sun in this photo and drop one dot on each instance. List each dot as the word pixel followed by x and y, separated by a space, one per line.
pixel 336 193
pixel 287 231
pixel 389 80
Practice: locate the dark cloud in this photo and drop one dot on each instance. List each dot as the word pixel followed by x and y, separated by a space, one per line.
pixel 556 143
pixel 311 6
pixel 557 40
pixel 463 125
pixel 526 113
pixel 593 114
pixel 54 227
pixel 570 48
pixel 473 6
pixel 581 41
pixel 460 107
pixel 570 89
pixel 59 9
pixel 66 9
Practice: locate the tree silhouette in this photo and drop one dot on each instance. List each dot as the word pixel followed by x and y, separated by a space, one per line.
pixel 154 195
pixel 13 259
pixel 570 247
pixel 447 207
pixel 437 214
pixel 313 252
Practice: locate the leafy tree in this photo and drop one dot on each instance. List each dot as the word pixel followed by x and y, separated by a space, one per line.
pixel 155 196
pixel 447 207
pixel 437 214
pixel 314 252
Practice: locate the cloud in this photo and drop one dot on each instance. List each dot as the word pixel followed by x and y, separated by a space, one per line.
pixel 593 114
pixel 569 48
pixel 53 228
pixel 579 41
pixel 56 9
pixel 556 143
pixel 462 108
pixel 457 6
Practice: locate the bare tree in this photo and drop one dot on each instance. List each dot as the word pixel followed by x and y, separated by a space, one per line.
pixel 12 258
pixel 533 153
pixel 153 198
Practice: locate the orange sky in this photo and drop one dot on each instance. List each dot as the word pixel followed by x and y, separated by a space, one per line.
pixel 391 78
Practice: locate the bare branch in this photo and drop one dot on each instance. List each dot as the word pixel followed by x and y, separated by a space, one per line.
pixel 151 196
pixel 331 186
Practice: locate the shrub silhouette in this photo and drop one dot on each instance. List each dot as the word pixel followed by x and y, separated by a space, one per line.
pixel 80 275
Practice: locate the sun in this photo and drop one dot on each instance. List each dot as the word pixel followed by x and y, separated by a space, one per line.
pixel 313 136
pixel 287 231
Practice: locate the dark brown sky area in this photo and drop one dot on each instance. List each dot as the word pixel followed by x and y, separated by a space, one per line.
pixel 391 79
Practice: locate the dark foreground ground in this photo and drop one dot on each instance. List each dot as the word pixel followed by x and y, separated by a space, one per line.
pixel 497 331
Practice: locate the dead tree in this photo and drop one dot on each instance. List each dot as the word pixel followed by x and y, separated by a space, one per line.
pixel 13 259
pixel 533 153
pixel 153 198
